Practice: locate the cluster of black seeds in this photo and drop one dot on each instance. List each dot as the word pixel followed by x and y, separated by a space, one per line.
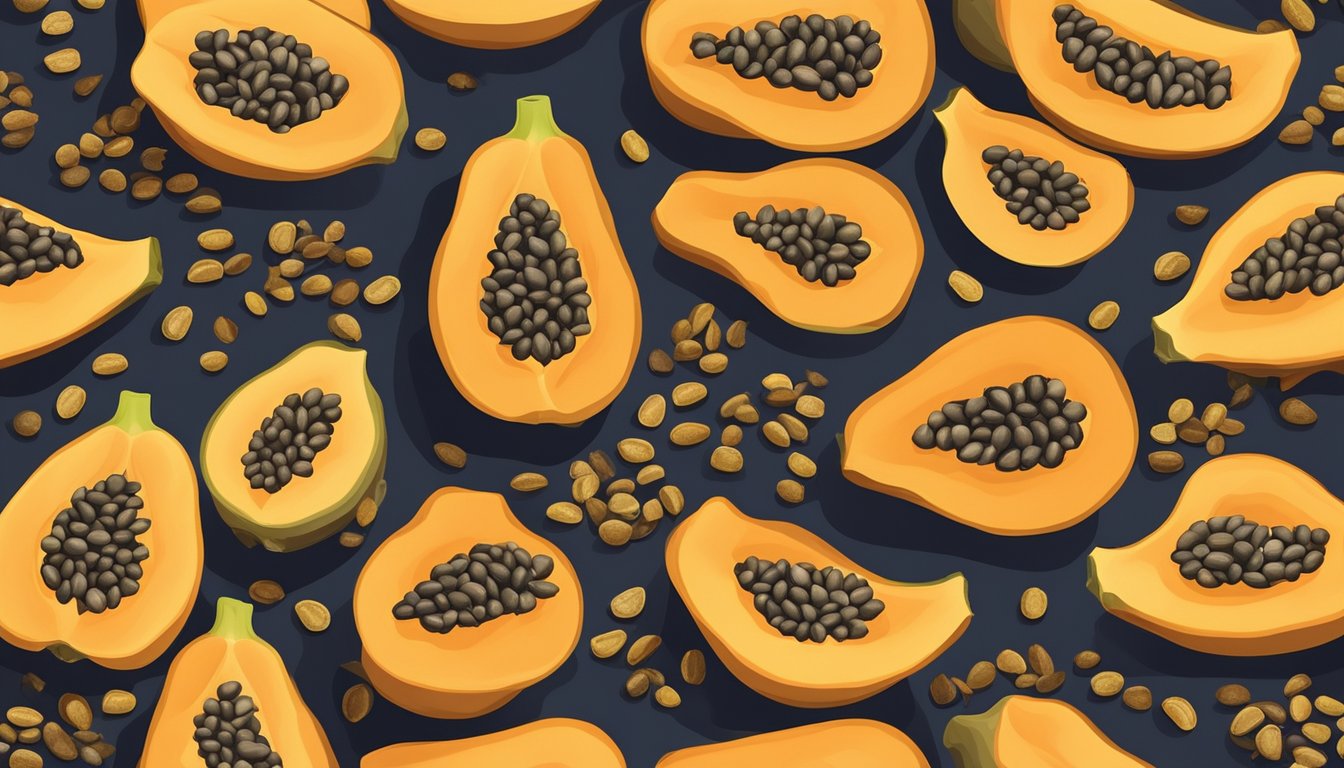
pixel 266 76
pixel 1231 549
pixel 1129 69
pixel 228 733
pixel 284 447
pixel 1027 424
pixel 821 246
pixel 536 299
pixel 833 57
pixel 1306 256
pixel 471 589
pixel 805 602
pixel 26 248
pixel 1040 193
pixel 91 555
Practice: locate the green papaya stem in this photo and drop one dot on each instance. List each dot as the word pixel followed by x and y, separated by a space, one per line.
pixel 133 413
pixel 233 620
pixel 536 121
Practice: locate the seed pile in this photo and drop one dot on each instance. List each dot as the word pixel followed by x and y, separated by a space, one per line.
pixel 628 605
pixel 266 76
pixel 1129 69
pixel 20 121
pixel 1289 732
pixel 833 57
pixel 535 299
pixel 471 589
pixel 809 603
pixel 24 729
pixel 1017 427
pixel 1210 428
pixel 1230 550
pixel 618 514
pixel 821 246
pixel 228 732
pixel 698 338
pixel 91 555
pixel 27 249
pixel 290 438
pixel 1307 256
pixel 1040 193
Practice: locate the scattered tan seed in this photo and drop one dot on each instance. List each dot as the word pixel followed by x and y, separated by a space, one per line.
pixel 687 350
pixel 667 697
pixel 1180 712
pixel 30 6
pixel 73 178
pixel 661 362
pixel 615 532
pixel 1191 215
pixel 366 512
pixel 204 200
pixel 120 146
pixel 152 158
pixel 112 180
pixel 70 402
pixel 801 465
pixel 1274 711
pixel 650 473
pixel 726 458
pixel 671 498
pixel 215 240
pixel 103 126
pixel 714 363
pixel 255 303
pixel 1232 695
pixel 1010 662
pixel 451 455
pixel 1296 132
pixel 461 81
pixel 713 336
pixel 689 393
pixel 689 433
pixel 528 482
pixel 176 323
pixel 1164 433
pixel 1337 138
pixel 181 183
pixel 1171 266
pixel 1318 733
pixel 1329 706
pixel 62 61
pixel 1180 410
pixel 776 434
pixel 291 268
pixel 214 361
pixel 1247 720
pixel 25 758
pixel 637 684
pixel 622 504
pixel 773 381
pixel 86 85
pixel 1299 708
pixel 350 539
pixel 146 188
pixel 1026 680
pixel 981 676
pixel 1033 603
pixel 205 271
pixel 237 264
pixel 1050 683
pixel 18 119
pixel 693 666
pixel 358 257
pixel 1108 684
pixel 794 426
pixel 736 336
pixel 730 406
pixel 281 237
pixel 810 406
pixel 357 702
pixel 73 708
pixel 1332 98
pixel 1269 742
pixel 1296 412
pixel 1103 315
pixel 1298 14
pixel 382 290
pixel 1039 660
pixel 790 491
pixel 1138 698
pixel 1296 684
pixel 967 288
pixel 636 148
pixel 942 691
pixel 635 450
pixel 1270 25
pixel 1192 431
pixel 681 331
pixel 642 649
pixel 1216 445
pixel 1308 757
pixel 67 156
pixel 110 364
pixel 125 119
pixel 652 411
pixel 344 326
pixel 1313 114
pixel 315 285
pixel 430 139
pixel 27 423
pixel 266 591
pixel 1165 462
pixel 629 603
pixel 1213 416
pixel 313 615
pixel 118 702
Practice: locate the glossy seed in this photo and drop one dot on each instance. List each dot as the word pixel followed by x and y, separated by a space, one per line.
pixel 1171 266
pixel 714 363
pixel 1246 721
pixel 615 532
pixel 1299 708
pixel 1298 15
pixel 667 697
pixel 118 702
pixel 942 691
pixel 688 393
pixel 689 433
pixel 382 290
pixel 1010 662
pixel 255 303
pixel 670 496
pixel 1107 684
pixel 967 288
pixel 1033 603
pixel 344 326
pixel 634 146
pixel 810 406
pixel 652 411
pixel 215 239
pixel 641 649
pixel 1318 733
pixel 74 710
pixel 736 335
pixel 629 603
pixel 62 61
pixel 1329 706
pixel 1269 742
pixel 1165 462
pixel 57 23
pixel 1164 433
pixel 1103 315
pixel 1050 683
pixel 776 434
pixel 313 615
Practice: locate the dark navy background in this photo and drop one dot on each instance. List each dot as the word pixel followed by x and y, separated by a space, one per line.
pixel 597 80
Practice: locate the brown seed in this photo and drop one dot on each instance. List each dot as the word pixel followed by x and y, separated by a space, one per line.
pixel 291 268
pixel 1241 394
pixel 671 498
pixel 86 85
pixel 225 329
pixel 344 326
pixel 382 290
pixel 430 139
pixel 1274 711
pixel 1138 698
pixel 942 691
pixel 1247 720
pixel 528 482
pixel 70 402
pixel 255 303
pixel 597 512
pixel 1213 416
pixel 629 603
pixel 27 423
pixel 1191 215
pixel 1171 266
pixel 204 200
pixel 357 257
pixel 1039 660
pixel 790 491
pixel 315 285
pixel 1107 684
pixel 1296 412
pixel 642 649
pixel 462 81
pixel 1103 315
pixel 637 684
pixel 699 318
pixel 1086 659
pixel 614 532
pixel 1050 683
pixel 24 717
pixel 726 458
pixel 214 361
pixel 635 450
pixel 636 148
pixel 1313 114
pixel 181 183
pixel 660 361
pixel 73 178
pixel 687 350
pixel 237 264
pixel 967 288
pixel 649 473
pixel 1164 433
pixel 1232 695
pixel 794 426
pixel 356 702
pixel 1165 462
pixel 981 676
pixel 146 188
pixel 1296 132
pixel 736 336
pixel 22 96
pixel 652 411
pixel 1298 14
pixel 110 364
pixel 120 146
pixel 313 615
pixel 67 156
pixel 1269 742
pixel 266 591
pixel 112 180
pixel 205 271
pixel 350 539
pixel 667 697
pixel 103 126
pixel 693 667
pixel 714 363
pixel 963 687
pixel 366 512
pixel 1216 445
pixel 1192 431
pixel 1010 662
pixel 1033 603
pixel 25 758
pixel 215 240
pixel 118 702
pixel 74 709
pixel 689 433
pixel 1332 98
pixel 1180 712
pixel 62 61
pixel 1026 680
pixel 152 158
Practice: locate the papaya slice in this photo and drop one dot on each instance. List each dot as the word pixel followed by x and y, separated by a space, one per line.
pixel 470 670
pixel 1140 584
pixel 1026 732
pixel 535 161
pixel 1263 67
pixel 133 633
pixel 305 508
pixel 851 741
pixel 556 742
pixel 919 622
pixel 364 126
pixel 493 25
pixel 1263 337
pixel 208 669
pixel 712 97
pixel 878 453
pixel 971 128
pixel 50 309
pixel 694 220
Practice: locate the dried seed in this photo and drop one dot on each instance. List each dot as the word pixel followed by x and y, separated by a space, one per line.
pixel 614 532
pixel 1171 266
pixel 358 257
pixel 810 406
pixel 776 434
pixel 1138 698
pixel 1296 684
pixel 1103 315
pixel 313 615
pixel 215 240
pixel 642 649
pixel 1010 662
pixel 1296 412
pixel 73 708
pixel 1296 132
pixel 382 290
pixel 637 684
pixel 671 498
pixel 281 237
pixel 176 323
pixel 981 676
pixel 773 381
pixel 736 335
pixel 1180 712
pixel 146 188
pixel 344 326
pixel 1192 431
pixel 1033 603
pixel 204 200
pixel 30 6
pixel 26 423
pixel 942 691
pixel 366 512
pixel 1039 660
pixel 1050 683
pixel 1247 720
pixel 430 139
pixel 1026 680
pixel 1329 706
pixel 1318 733
pixel 1164 433
pixel 315 285
pixel 357 702
pixel 747 414
pixel 699 318
pixel 667 697
pixel 1191 215
pixel 801 465
pixel 73 178
pixel 1269 742
pixel 660 361
pixel 795 428
pixel 266 591
pixel 1308 757
pixel 344 292
pixel 103 127
pixel 118 702
pixel 112 180
pixel 636 148
pixel 1313 114
pixel 125 119
pixel 1107 684
pixel 181 183
pixel 681 331
pixel 1337 138
pixel 1274 711
pixel 528 482
pixel 1215 445
pixel 1165 462
pixel 687 350
pixel 628 604
pixel 967 288
pixel 689 433
pixel 214 361
pixel 585 487
pixel 120 146
pixel 693 666
pixel 1332 98
pixel 25 758
pixel 726 458
pixel 652 411
pixel 291 268
pixel 1299 708
pixel 67 156
pixel 635 450
pixel 62 61
pixel 461 81
pixel 713 336
pixel 790 491
pixel 152 158
pixel 205 271
pixel 730 406
pixel 649 473
pixel 714 363
pixel 1213 416
pixel 70 402
pixel 597 512
pixel 110 364
pixel 255 303
pixel 1180 410
pixel 623 504
pixel 1232 695
pixel 86 85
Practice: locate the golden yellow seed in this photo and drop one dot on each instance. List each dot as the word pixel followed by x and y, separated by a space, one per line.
pixel 736 336
pixel 281 237
pixel 1313 114
pixel 291 268
pixel 689 433
pixel 67 156
pixel 1331 98
pixel 776 434
pixel 112 180
pixel 1138 698
pixel 119 146
pixel 86 85
pixel 358 257
pixel 1191 215
pixel 1296 132
pixel 667 697
pixel 714 363
pixel 1033 603
pixel 1296 412
pixel 1298 15
pixel 810 406
pixel 1296 684
pixel 1337 138
pixel 26 423
pixel 70 402
pixel 29 6
pixel 181 183
pixel 967 288
pixel 255 303
pixel 747 414
pixel 1086 659
pixel 315 285
pixel 652 411
pixel 1171 266
pixel 90 146
pixel 772 381
pixel 1318 733
pixel 1215 445
pixel 688 393
pixel 1103 315
pixel 366 512
pixel 63 61
pixel 357 701
pixel 152 158
pixel 641 649
pixel 635 450
pixel 615 532
pixel 110 364
pixel 146 188
pixel 205 271
pixel 801 465
pixel 344 326
pixel 204 200
pixel 726 458
pixel 650 473
pixel 451 454
pixel 430 139
pixel 1010 662
pixel 671 498
pixel 629 603
pixel 1329 706
pixel 74 177
pixel 528 482
pixel 1107 684
pixel 1181 712
pixel 1164 433
pixel 687 350
pixel 693 666
pixel 634 145
pixel 382 290
pixel 214 361
pixel 462 81
pixel 313 615
pixel 215 240
pixel 176 323
pixel 730 406
pixel 790 491
pixel 237 264
pixel 1039 660
pixel 344 292
pixel 713 336
pixel 118 702
pixel 1180 410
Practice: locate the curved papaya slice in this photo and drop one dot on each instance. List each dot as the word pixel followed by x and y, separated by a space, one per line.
pixel 534 160
pixel 493 25
pixel 304 509
pixel 49 309
pixel 470 670
pixel 971 127
pixel 714 98
pixel 838 742
pixel 694 220
pixel 556 742
pixel 135 632
pixel 1026 732
pixel 878 453
pixel 919 622
pixel 1140 584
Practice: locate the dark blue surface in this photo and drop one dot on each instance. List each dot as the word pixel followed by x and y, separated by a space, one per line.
pixel 597 80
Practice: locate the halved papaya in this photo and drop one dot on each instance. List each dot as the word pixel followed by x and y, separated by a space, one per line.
pixel 919 622
pixel 1026 732
pixel 135 632
pixel 48 309
pixel 1140 584
pixel 852 741
pixel 493 25
pixel 556 742
pixel 305 508
pixel 232 653
pixel 1263 67
pixel 470 670
pixel 879 454
pixel 714 98
pixel 1261 338
pixel 694 220
pixel 365 126
pixel 535 161
pixel 971 127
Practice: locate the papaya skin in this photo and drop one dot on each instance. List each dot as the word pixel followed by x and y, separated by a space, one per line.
pixel 538 158
pixel 970 127
pixel 837 742
pixel 1027 732
pixel 471 670
pixel 878 452
pixel 114 275
pixel 556 742
pixel 694 220
pixel 919 623
pixel 493 25
pixel 713 98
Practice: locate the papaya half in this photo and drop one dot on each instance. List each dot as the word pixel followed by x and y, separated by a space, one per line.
pixel 1140 584
pixel 694 220
pixel 1027 732
pixel 231 655
pixel 305 508
pixel 556 742
pixel 364 126
pixel 878 453
pixel 49 309
pixel 919 622
pixel 153 610
pixel 493 25
pixel 852 741
pixel 970 128
pixel 579 298
pixel 1266 337
pixel 713 97
pixel 470 670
